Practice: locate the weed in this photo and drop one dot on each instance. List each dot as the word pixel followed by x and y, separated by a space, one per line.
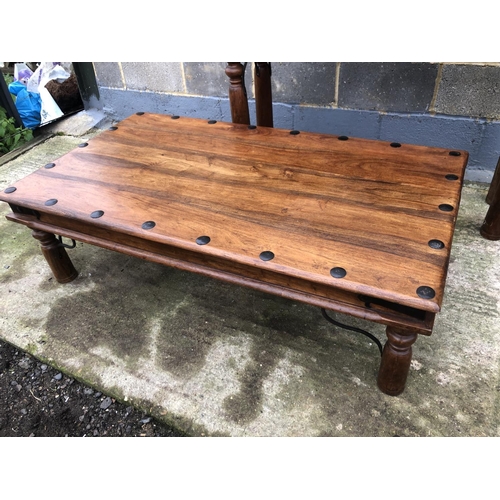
pixel 11 136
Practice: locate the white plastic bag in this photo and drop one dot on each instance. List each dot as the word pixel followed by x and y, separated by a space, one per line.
pixel 46 72
pixel 22 73
pixel 50 110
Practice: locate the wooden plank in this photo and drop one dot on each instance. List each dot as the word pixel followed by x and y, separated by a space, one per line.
pixel 315 201
pixel 297 249
pixel 259 142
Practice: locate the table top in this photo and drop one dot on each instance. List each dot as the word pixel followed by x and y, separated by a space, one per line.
pixel 366 216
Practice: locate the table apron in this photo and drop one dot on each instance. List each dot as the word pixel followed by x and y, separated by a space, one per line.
pixel 298 289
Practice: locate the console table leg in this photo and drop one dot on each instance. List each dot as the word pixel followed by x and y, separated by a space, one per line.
pixel 396 358
pixel 237 93
pixel 263 94
pixel 56 257
pixel 491 225
pixel 494 191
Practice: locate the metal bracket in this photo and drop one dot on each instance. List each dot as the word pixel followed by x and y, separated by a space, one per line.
pixel 73 245
pixel 406 310
pixel 353 329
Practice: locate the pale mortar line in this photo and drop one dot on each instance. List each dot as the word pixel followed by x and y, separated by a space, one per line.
pixel 432 106
pixel 122 75
pixel 337 85
pixel 183 73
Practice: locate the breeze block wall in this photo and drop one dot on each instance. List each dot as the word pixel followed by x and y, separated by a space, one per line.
pixel 452 105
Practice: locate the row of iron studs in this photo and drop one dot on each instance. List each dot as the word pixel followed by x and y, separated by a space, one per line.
pixel 425 292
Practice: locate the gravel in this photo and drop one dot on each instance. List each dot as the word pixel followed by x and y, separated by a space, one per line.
pixel 38 400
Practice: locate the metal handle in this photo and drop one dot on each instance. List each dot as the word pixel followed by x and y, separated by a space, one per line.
pixel 73 245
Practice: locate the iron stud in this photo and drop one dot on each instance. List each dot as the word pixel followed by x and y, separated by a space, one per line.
pixel 338 272
pixel 203 240
pixel 445 207
pixel 436 244
pixel 426 292
pixel 266 255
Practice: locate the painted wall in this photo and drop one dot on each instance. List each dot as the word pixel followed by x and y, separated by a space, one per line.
pixel 452 105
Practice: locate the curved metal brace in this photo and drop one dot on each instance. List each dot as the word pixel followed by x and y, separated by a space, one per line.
pixel 353 329
pixel 73 245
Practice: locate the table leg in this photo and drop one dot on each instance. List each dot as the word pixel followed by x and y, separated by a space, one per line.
pixel 494 191
pixel 491 225
pixel 263 94
pixel 56 257
pixel 396 359
pixel 237 93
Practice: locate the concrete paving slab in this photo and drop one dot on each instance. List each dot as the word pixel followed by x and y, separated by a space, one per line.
pixel 215 359
pixel 79 124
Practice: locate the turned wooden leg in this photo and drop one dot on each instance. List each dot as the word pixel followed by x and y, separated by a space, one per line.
pixel 237 93
pixel 263 94
pixel 494 191
pixel 491 225
pixel 56 257
pixel 396 358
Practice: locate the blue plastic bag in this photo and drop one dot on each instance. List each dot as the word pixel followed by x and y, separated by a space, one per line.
pixel 28 104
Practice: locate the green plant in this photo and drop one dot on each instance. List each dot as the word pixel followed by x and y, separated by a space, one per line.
pixel 11 136
pixel 8 78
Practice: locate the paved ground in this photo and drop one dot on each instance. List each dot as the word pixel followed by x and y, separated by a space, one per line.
pixel 215 359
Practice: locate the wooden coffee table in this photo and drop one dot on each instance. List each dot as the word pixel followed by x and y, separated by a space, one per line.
pixel 356 226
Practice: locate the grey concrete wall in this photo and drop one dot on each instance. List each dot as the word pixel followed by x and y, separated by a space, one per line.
pixel 454 105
